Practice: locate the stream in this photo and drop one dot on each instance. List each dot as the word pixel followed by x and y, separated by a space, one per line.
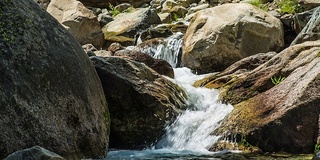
pixel 191 135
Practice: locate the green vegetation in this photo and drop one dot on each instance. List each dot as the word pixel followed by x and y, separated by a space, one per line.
pixel 276 80
pixel 289 6
pixel 6 33
pixel 175 17
pixel 316 148
pixel 113 11
pixel 12 24
pixel 130 9
pixel 259 4
pixel 244 142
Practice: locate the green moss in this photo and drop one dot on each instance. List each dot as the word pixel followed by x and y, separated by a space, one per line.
pixel 6 15
pixel 259 4
pixel 115 12
pixel 130 9
pixel 289 6
pixel 11 23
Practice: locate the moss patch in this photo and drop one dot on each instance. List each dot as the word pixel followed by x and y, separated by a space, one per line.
pixel 11 24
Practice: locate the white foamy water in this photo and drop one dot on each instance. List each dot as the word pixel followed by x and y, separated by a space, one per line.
pixel 190 136
pixel 193 129
pixel 170 50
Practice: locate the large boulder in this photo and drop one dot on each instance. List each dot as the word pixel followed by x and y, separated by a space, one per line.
pixel 126 25
pixel 141 101
pixel 79 20
pixel 50 93
pixel 220 36
pixel 106 3
pixel 276 113
pixel 311 31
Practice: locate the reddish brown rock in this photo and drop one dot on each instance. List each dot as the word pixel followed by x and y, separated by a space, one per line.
pixel 278 117
pixel 161 66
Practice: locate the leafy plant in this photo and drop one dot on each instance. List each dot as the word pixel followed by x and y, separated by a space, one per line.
pixel 113 10
pixel 289 6
pixel 245 143
pixel 316 148
pixel 175 17
pixel 276 80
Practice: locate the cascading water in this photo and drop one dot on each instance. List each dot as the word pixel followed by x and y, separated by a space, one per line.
pixel 191 133
pixel 170 50
pixel 192 129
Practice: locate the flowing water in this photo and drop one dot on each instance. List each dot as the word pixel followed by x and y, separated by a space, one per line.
pixel 190 136
pixel 169 50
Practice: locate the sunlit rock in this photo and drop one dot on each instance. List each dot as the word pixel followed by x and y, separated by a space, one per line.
pixel 277 104
pixel 222 35
pixel 126 25
pixel 80 21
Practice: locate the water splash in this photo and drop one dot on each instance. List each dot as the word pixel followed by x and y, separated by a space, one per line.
pixel 192 130
pixel 190 136
pixel 170 49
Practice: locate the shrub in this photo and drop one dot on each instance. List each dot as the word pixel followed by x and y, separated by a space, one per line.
pixel 289 6
pixel 113 11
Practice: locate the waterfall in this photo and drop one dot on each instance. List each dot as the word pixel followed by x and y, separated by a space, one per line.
pixel 191 134
pixel 170 49
pixel 192 130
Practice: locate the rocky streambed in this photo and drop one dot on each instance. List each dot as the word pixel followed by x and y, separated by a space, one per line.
pixel 259 57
